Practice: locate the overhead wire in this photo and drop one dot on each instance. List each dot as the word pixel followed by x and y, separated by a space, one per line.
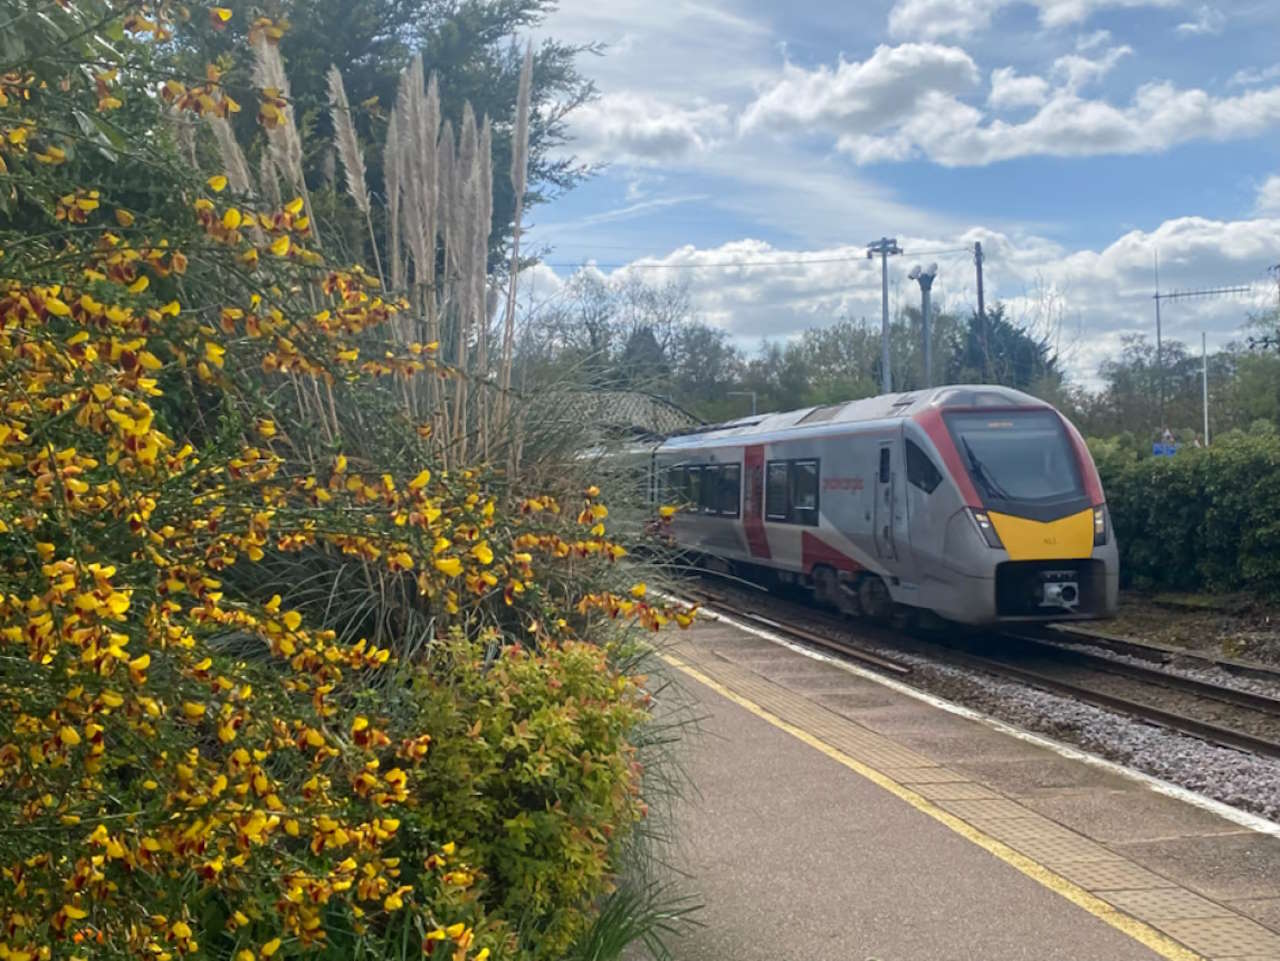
pixel 729 264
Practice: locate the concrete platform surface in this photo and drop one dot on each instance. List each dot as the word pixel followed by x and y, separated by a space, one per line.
pixel 839 820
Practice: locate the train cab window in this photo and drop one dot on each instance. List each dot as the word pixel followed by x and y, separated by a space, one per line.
pixel 693 486
pixel 920 470
pixel 884 465
pixel 730 490
pixel 791 492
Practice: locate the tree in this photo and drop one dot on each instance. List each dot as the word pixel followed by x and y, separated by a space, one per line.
pixel 998 351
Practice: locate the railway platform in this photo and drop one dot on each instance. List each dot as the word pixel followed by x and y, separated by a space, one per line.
pixel 840 817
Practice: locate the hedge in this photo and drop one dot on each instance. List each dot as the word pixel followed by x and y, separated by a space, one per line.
pixel 1205 519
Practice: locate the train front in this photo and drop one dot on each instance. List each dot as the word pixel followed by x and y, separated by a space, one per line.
pixel 1044 545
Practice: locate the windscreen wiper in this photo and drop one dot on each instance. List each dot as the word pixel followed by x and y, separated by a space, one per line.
pixel 982 474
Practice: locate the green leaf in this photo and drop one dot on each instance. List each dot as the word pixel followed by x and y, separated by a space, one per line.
pixel 97 130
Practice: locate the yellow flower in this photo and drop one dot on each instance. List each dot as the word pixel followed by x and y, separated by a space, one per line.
pixel 68 735
pixel 420 481
pixel 123 217
pixel 666 512
pixel 221 13
pixel 74 913
pixel 181 929
pixel 217 183
pixel 193 709
pixel 231 219
pixel 292 619
pixel 280 246
pixel 638 590
pixel 270 948
pixel 139 285
pixel 483 552
pixel 449 566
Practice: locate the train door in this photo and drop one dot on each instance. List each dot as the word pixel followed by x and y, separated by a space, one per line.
pixel 885 504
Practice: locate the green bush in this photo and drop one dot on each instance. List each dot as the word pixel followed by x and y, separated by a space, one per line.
pixel 1202 520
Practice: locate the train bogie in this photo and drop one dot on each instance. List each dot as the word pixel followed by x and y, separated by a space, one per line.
pixel 979 504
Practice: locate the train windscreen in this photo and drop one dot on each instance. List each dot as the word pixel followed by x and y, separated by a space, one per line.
pixel 1018 456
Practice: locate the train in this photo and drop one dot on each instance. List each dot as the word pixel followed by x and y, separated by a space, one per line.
pixel 976 504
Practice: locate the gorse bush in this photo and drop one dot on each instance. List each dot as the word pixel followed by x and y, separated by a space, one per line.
pixel 198 756
pixel 1204 519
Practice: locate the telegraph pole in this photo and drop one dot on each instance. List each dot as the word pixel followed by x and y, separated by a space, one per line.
pixel 1159 344
pixel 978 258
pixel 1204 371
pixel 1199 293
pixel 885 247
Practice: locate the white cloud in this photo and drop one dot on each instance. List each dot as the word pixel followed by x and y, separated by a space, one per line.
pixel 637 128
pixel 890 83
pixel 1160 115
pixel 1253 76
pixel 1076 71
pixel 1208 20
pixel 1009 90
pixel 906 101
pixel 936 19
pixel 1269 195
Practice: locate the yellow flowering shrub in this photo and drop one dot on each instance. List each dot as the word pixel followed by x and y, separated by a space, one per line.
pixel 190 767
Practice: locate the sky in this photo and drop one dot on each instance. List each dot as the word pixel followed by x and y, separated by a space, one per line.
pixel 753 148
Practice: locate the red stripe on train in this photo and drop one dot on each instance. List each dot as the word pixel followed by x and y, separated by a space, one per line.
pixel 931 422
pixel 753 501
pixel 816 552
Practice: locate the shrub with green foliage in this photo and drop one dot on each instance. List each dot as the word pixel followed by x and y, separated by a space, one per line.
pixel 1204 519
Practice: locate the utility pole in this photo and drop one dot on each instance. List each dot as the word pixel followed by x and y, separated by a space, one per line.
pixel 1204 372
pixel 978 258
pixel 1159 345
pixel 885 247
pixel 1197 294
pixel 925 279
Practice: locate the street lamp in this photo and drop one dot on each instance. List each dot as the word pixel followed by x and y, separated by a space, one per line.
pixel 746 393
pixel 925 279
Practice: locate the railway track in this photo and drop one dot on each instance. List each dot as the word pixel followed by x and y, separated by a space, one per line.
pixel 1217 713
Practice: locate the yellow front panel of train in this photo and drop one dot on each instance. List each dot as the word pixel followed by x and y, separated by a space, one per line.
pixel 1067 538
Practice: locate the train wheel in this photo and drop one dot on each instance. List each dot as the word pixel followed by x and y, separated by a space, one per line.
pixel 826 586
pixel 874 598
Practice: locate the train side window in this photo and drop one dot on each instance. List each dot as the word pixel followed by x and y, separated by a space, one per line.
pixel 884 465
pixel 920 470
pixel 730 489
pixel 804 492
pixel 693 486
pixel 710 494
pixel 776 507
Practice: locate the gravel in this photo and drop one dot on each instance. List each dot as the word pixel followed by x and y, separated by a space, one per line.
pixel 1211 675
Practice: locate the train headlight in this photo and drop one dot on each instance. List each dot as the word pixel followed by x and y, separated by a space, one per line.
pixel 1099 526
pixel 987 529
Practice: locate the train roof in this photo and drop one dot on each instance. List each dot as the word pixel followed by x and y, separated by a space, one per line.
pixel 883 407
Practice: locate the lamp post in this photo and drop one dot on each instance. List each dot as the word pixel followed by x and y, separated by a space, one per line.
pixel 925 279
pixel 746 393
pixel 885 247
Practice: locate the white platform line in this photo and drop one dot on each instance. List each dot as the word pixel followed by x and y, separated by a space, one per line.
pixel 1243 818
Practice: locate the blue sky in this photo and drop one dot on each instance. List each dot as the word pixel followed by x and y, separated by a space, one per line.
pixel 1074 138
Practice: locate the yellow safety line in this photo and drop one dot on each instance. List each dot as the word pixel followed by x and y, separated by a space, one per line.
pixel 1141 932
